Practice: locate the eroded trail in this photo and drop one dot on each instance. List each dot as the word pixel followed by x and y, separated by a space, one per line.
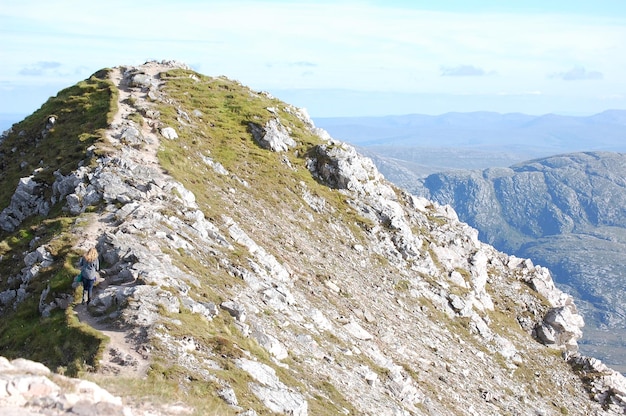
pixel 124 356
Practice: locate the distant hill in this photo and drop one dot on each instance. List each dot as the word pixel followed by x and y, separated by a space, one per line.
pixel 565 212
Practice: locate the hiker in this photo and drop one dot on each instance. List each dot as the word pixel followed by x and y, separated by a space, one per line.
pixel 89 266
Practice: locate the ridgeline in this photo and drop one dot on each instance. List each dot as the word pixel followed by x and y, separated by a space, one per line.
pixel 253 265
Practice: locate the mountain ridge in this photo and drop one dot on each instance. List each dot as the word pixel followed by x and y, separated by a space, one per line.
pixel 263 267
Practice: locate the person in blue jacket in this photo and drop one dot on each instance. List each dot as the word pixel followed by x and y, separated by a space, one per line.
pixel 89 266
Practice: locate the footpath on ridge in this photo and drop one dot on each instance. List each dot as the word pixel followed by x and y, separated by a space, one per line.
pixel 121 356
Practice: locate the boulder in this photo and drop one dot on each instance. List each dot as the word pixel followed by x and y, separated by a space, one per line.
pixel 141 80
pixel 561 327
pixel 169 133
pixel 131 136
pixel 28 200
pixel 273 136
pixel 29 388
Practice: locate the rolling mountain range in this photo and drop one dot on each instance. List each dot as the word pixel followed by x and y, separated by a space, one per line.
pixel 251 264
pixel 426 144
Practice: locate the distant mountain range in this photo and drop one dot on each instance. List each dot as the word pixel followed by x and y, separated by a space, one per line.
pixel 427 144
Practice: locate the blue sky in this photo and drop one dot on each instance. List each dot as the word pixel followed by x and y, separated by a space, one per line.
pixel 335 58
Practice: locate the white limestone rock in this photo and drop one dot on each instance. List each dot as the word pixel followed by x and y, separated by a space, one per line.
pixel 169 133
pixel 273 136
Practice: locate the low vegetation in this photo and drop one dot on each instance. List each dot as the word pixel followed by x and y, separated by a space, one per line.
pixel 38 147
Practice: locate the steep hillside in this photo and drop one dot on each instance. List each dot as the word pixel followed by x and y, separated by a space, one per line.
pixel 565 212
pixel 253 265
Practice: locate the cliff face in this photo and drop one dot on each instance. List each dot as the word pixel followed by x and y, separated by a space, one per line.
pixel 254 265
pixel 565 212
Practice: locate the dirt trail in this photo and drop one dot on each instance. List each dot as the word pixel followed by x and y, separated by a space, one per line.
pixel 147 155
pixel 123 356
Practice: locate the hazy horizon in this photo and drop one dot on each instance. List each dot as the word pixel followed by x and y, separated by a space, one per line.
pixel 8 119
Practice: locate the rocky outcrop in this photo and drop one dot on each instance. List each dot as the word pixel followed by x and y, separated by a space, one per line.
pixel 272 136
pixel 28 388
pixel 27 201
pixel 606 385
pixel 277 397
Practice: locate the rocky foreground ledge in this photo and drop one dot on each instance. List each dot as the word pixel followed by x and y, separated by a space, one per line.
pixel 29 388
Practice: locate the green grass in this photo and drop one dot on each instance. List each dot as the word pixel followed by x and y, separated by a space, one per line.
pixel 327 400
pixel 60 341
pixel 82 111
pixel 222 133
pixel 164 386
pixel 403 285
pixel 223 343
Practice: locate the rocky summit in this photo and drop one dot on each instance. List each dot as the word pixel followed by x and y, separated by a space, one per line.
pixel 253 265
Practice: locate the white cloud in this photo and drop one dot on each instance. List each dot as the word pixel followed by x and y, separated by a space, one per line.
pixel 578 73
pixel 39 68
pixel 464 71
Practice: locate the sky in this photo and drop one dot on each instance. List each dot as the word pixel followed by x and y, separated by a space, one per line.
pixel 335 58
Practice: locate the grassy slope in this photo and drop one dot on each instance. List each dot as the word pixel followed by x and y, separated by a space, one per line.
pixel 273 196
pixel 274 191
pixel 82 111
